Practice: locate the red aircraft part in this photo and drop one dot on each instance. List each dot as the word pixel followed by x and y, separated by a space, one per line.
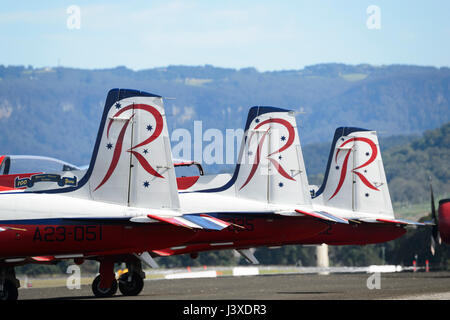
pixel 262 230
pixel 184 183
pixel 358 234
pixel 257 231
pixel 7 180
pixel 288 230
pixel 444 220
pixel 88 239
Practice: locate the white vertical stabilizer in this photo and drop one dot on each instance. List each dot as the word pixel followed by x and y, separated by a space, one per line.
pixel 355 178
pixel 132 162
pixel 271 166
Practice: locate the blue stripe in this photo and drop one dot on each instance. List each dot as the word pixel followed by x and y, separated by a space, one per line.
pixel 203 222
pixel 66 221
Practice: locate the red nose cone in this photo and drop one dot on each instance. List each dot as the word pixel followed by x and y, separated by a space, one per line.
pixel 444 220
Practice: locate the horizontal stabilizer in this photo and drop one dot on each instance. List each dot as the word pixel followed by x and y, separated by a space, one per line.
pixel 5 228
pixel 164 252
pixel 196 221
pixel 176 221
pixel 402 222
pixel 207 222
pixel 43 258
pixel 190 221
pixel 324 216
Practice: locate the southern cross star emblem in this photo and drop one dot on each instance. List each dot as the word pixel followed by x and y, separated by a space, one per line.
pixel 109 146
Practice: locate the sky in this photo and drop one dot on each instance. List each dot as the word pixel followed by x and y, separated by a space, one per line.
pixel 267 35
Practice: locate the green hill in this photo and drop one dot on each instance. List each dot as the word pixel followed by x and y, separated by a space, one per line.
pixel 409 167
pixel 55 111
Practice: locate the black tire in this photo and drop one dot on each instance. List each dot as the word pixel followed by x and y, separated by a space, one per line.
pixel 103 293
pixel 133 287
pixel 10 292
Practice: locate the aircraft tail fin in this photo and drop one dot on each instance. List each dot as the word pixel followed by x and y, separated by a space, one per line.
pixel 132 161
pixel 271 166
pixel 355 178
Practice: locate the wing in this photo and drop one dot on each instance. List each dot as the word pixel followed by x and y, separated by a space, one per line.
pixel 323 216
pixel 191 221
pixel 333 218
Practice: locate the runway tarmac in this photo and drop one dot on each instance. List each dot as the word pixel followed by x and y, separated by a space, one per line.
pixel 355 286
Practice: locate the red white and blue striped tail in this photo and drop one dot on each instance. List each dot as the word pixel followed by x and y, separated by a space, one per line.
pixel 323 215
pixel 193 221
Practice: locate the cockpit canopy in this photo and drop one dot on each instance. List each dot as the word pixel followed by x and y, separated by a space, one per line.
pixel 16 164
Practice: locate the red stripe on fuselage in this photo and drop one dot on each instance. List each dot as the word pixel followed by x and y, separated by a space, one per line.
pixel 286 231
pixel 50 240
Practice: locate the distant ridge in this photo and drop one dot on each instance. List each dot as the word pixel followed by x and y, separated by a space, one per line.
pixel 54 111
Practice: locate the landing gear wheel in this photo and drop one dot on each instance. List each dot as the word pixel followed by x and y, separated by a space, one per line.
pixel 103 292
pixel 10 292
pixel 133 287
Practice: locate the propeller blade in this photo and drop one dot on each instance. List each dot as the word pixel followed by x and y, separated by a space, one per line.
pixel 435 227
pixel 433 246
